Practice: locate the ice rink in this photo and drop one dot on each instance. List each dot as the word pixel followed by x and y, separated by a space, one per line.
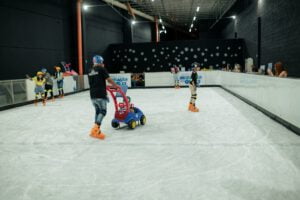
pixel 228 150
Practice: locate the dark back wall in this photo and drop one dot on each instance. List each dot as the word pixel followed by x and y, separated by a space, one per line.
pixel 34 34
pixel 102 26
pixel 142 31
pixel 105 25
pixel 154 57
pixel 280 31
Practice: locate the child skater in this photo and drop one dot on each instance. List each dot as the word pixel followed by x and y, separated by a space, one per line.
pixel 39 81
pixel 60 81
pixel 97 80
pixel 193 89
pixel 175 72
pixel 48 85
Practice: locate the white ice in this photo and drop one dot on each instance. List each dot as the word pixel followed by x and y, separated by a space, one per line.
pixel 228 150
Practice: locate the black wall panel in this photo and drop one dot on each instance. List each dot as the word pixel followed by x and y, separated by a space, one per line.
pixel 142 32
pixel 103 26
pixel 42 33
pixel 280 23
pixel 34 34
pixel 156 57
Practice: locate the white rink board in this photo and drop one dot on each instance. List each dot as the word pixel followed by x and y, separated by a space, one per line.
pixel 280 96
pixel 69 86
pixel 122 79
pixel 161 79
pixel 277 95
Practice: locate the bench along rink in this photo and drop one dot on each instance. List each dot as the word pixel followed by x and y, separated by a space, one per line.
pixel 228 150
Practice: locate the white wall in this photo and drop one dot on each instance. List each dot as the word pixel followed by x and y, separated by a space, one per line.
pixel 69 86
pixel 157 79
pixel 280 96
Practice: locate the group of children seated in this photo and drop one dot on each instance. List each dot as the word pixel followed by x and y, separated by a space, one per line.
pixel 44 84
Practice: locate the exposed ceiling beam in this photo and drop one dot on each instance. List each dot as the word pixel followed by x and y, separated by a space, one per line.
pixel 130 10
pixel 141 14
pixel 123 6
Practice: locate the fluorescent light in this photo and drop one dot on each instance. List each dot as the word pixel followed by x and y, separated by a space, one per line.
pixel 198 8
pixel 233 17
pixel 163 27
pixel 192 25
pixel 133 22
pixel 190 30
pixel 194 18
pixel 152 0
pixel 85 7
pixel 160 20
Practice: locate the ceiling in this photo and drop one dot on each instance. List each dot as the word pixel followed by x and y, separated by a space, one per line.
pixel 180 13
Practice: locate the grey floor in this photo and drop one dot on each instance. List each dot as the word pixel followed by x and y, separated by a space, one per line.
pixel 228 150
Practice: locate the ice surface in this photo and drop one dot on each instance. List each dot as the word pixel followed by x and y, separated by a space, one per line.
pixel 228 150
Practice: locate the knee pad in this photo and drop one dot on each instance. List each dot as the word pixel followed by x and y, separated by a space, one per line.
pixel 103 112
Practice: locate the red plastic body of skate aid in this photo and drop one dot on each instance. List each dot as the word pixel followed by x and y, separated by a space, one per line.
pixel 125 111
pixel 122 108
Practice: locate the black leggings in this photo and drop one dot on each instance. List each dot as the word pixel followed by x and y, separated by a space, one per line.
pixel 48 88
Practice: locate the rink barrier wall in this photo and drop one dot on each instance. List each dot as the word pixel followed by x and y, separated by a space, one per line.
pixel 278 119
pixel 276 97
pixel 32 101
pixel 166 79
pixel 20 92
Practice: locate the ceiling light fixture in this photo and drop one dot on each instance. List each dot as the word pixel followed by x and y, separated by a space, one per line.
pixel 194 18
pixel 198 8
pixel 133 22
pixel 85 7
pixel 233 17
